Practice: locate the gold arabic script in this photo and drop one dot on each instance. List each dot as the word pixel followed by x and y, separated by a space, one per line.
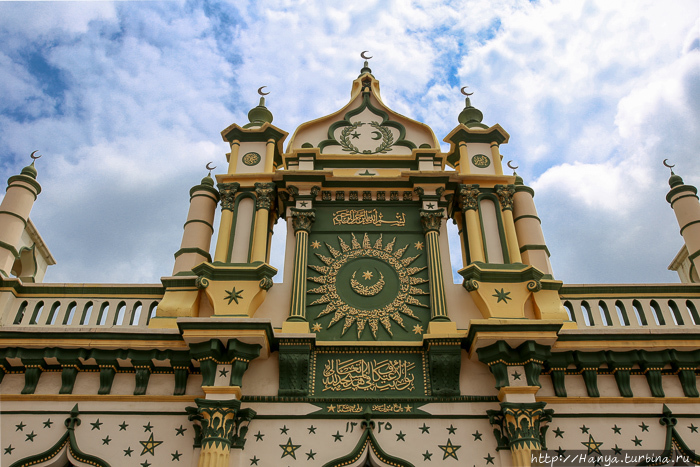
pixel 366 217
pixel 368 375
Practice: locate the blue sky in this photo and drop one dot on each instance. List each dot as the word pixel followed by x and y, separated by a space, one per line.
pixel 126 101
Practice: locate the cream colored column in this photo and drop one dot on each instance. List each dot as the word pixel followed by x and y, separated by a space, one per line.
pixel 496 156
pixel 233 158
pixel 505 196
pixel 270 156
pixel 228 197
pixel 684 201
pixel 22 191
pixel 265 193
pixel 196 238
pixel 528 228
pixel 463 159
pixel 302 219
pixel 468 203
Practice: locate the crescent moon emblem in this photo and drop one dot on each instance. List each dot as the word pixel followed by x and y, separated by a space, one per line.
pixel 379 135
pixel 33 156
pixel 364 56
pixel 669 166
pixel 463 91
pixel 262 93
pixel 510 166
pixel 363 289
pixel 210 168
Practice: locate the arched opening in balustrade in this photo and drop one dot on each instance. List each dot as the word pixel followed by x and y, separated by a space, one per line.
pixel 604 313
pixel 119 315
pixel 570 311
pixel 622 313
pixel 20 313
pixel 135 314
pixel 102 316
pixel 693 312
pixel 55 310
pixel 87 312
pixel 656 311
pixel 639 312
pixel 70 314
pixel 675 313
pixel 152 311
pixel 587 315
pixel 36 314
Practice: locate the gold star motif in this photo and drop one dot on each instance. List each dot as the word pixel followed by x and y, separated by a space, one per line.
pixel 449 449
pixel 315 244
pixel 288 449
pixel 418 245
pixel 408 408
pixel 418 329
pixel 592 445
pixel 331 408
pixel 149 446
pixel 316 327
pixel 367 275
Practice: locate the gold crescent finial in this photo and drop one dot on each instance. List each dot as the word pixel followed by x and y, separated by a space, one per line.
pixel 669 166
pixel 463 91
pixel 511 167
pixel 261 92
pixel 33 156
pixel 364 56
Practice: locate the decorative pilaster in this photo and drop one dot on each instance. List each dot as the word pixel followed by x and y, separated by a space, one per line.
pixel 431 221
pixel 227 192
pixel 521 427
pixel 302 219
pixel 468 203
pixel 217 420
pixel 265 196
pixel 505 197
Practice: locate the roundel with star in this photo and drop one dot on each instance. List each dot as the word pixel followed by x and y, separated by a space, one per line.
pixel 367 286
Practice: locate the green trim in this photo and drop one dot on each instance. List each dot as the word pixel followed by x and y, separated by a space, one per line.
pixel 367 441
pixel 208 189
pixel 201 221
pixel 544 248
pixel 509 273
pixel 234 271
pixel 10 213
pixel 198 251
pixel 526 189
pixel 187 324
pixel 10 248
pixel 527 216
pixel 28 181
pixel 697 221
pixel 501 230
pixel 694 255
pixel 523 325
pixel 681 189
pixel 615 290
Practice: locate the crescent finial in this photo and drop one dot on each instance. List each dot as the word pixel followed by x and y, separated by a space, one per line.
pixel 364 56
pixel 511 167
pixel 261 92
pixel 210 168
pixel 463 91
pixel 33 156
pixel 669 166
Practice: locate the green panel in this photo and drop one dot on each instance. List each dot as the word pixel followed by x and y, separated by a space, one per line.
pixel 360 374
pixel 367 269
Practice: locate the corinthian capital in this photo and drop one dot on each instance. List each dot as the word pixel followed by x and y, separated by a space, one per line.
pixel 505 196
pixel 302 219
pixel 265 193
pixel 431 220
pixel 468 195
pixel 228 194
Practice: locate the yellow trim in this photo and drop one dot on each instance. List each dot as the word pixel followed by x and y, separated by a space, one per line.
pixel 617 400
pixel 194 335
pixel 625 344
pixel 511 237
pixel 260 236
pixel 90 343
pixel 474 240
pixel 370 343
pixel 508 390
pixel 496 158
pixel 233 158
pixel 235 391
pixel 269 155
pixel 295 327
pixel 95 397
pixel 222 242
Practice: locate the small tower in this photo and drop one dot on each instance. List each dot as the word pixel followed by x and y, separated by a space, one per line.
pixel 684 201
pixel 23 253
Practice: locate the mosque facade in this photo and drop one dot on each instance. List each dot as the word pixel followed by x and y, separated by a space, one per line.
pixel 367 354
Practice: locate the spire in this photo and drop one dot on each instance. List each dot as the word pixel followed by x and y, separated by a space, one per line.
pixel 674 180
pixel 471 116
pixel 259 115
pixel 366 68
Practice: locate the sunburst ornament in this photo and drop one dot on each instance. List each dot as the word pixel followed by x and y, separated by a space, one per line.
pixel 358 298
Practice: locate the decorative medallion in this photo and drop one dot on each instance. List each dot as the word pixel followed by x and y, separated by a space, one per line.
pixel 481 161
pixel 367 284
pixel 251 158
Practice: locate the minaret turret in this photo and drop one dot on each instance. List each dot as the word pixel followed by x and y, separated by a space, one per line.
pixel 684 201
pixel 528 227
pixel 22 191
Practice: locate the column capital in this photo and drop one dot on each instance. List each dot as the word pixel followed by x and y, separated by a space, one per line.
pixel 431 220
pixel 521 425
pixel 227 191
pixel 264 193
pixel 216 418
pixel 302 219
pixel 505 196
pixel 468 195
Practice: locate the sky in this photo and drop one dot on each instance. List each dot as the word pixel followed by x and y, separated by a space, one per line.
pixel 125 101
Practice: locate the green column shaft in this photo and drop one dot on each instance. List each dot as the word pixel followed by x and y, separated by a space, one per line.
pixel 297 310
pixel 438 306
